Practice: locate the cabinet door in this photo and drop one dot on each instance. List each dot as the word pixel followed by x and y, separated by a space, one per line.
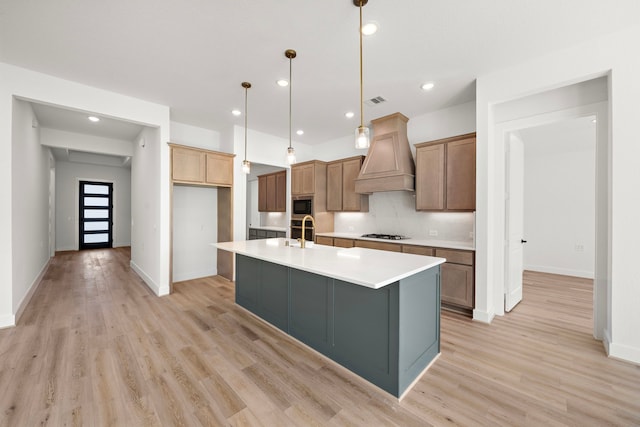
pixel 296 180
pixel 271 193
pixel 219 169
pixel 281 191
pixel 457 284
pixel 188 165
pixel 262 193
pixel 334 187
pixel 308 179
pixel 430 177
pixel 352 201
pixel 461 175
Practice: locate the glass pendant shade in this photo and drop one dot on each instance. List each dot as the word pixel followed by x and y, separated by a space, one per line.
pixel 291 155
pixel 246 167
pixel 362 137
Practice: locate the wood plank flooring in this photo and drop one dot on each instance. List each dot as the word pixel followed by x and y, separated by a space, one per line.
pixel 95 348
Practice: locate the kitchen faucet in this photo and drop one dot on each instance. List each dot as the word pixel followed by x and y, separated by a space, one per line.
pixel 302 240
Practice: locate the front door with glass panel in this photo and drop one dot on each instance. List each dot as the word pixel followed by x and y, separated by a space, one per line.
pixel 96 212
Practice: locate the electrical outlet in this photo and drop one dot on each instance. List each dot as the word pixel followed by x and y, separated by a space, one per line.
pixel 471 234
pixel 351 228
pixel 433 232
pixel 579 247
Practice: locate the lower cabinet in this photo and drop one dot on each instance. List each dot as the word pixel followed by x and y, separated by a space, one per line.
pixel 457 278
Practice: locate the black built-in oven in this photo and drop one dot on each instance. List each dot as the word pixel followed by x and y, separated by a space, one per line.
pixel 296 229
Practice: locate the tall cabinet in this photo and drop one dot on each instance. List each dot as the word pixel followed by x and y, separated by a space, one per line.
pixel 446 174
pixel 272 192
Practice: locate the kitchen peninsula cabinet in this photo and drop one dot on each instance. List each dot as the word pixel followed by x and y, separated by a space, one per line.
pixel 446 174
pixel 341 187
pixel 272 192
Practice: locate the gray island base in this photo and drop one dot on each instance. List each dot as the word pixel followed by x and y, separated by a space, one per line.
pixel 387 335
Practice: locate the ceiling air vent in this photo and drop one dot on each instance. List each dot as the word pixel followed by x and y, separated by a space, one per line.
pixel 375 101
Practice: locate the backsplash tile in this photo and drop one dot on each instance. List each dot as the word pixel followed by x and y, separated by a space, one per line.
pixel 393 212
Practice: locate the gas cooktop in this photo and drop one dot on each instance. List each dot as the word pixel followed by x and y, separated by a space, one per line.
pixel 385 236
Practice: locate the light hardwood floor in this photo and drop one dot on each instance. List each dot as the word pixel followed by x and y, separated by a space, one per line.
pixel 95 347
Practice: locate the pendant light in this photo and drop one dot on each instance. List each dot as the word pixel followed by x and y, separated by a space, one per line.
pixel 246 164
pixel 291 154
pixel 362 132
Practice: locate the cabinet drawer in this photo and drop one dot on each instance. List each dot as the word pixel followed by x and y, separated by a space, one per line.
pixel 343 243
pixel 324 240
pixel 378 245
pixel 455 257
pixel 417 250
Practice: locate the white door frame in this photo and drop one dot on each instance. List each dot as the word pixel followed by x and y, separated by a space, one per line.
pixel 601 299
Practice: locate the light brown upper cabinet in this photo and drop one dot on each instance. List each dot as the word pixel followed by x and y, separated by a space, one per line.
pixel 303 178
pixel 341 194
pixel 272 192
pixel 446 174
pixel 201 167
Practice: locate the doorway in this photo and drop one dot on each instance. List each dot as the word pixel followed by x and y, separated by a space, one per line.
pixel 550 202
pixel 95 215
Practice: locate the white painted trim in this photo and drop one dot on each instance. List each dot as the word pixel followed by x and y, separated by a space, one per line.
pixel 562 271
pixel 483 316
pixel 606 341
pixel 7 321
pixel 149 281
pixel 32 290
pixel 624 353
pixel 195 274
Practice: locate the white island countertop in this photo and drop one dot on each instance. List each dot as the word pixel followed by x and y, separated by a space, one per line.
pixel 366 267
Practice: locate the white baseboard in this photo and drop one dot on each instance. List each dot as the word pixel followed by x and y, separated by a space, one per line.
pixel 67 248
pixel 562 271
pixel 32 290
pixel 483 316
pixel 624 352
pixel 7 321
pixel 194 274
pixel 159 291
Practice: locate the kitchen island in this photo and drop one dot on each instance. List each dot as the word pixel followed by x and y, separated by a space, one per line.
pixel 374 312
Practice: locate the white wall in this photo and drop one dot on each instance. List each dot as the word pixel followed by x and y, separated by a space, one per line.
pixel 29 204
pixel 194 231
pixel 559 198
pixel 68 175
pixel 608 55
pixel 195 137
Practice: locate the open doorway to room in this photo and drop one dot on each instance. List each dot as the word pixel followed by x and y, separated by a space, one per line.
pixel 550 202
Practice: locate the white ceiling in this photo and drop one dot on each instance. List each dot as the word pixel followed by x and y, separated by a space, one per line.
pixel 192 55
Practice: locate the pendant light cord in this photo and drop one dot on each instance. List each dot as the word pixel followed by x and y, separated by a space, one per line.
pixel 246 90
pixel 290 84
pixel 361 84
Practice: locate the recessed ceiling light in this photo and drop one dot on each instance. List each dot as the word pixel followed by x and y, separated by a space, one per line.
pixel 283 83
pixel 236 112
pixel 349 114
pixel 427 86
pixel 369 28
pixel 94 119
pixel 300 132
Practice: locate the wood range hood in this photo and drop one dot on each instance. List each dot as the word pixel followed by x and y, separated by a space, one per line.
pixel 389 164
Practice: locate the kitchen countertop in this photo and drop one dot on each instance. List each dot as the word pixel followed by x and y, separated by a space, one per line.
pixel 269 228
pixel 365 267
pixel 447 244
